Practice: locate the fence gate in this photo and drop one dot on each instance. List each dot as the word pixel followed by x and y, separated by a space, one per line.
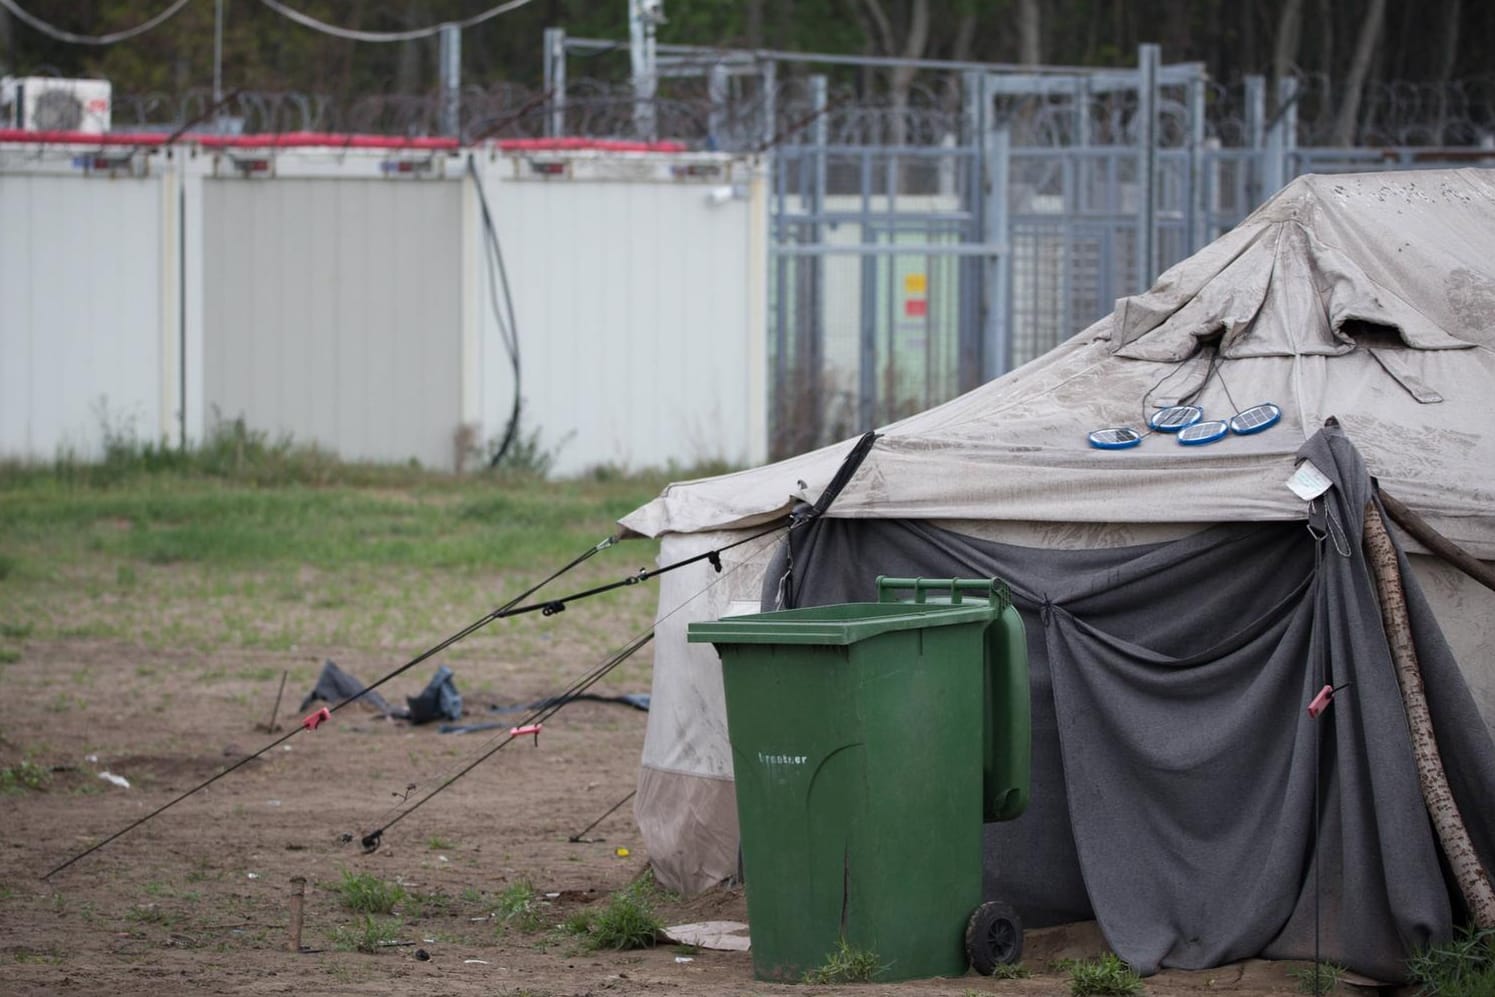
pixel 904 274
pixel 880 257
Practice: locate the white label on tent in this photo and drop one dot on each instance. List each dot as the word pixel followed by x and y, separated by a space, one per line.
pixel 1308 482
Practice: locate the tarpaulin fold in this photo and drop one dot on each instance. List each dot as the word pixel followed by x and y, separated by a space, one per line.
pixel 1174 760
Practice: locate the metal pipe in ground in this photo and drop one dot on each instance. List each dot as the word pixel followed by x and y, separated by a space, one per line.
pixel 298 904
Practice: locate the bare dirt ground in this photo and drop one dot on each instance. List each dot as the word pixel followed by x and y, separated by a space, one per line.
pixel 197 900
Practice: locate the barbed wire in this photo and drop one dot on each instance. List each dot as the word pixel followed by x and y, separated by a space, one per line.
pixel 749 115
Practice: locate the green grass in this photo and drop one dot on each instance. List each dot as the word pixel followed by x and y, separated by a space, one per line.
pixel 1322 978
pixel 847 964
pixel 365 894
pixel 367 934
pixel 627 922
pixel 22 776
pixel 578 923
pixel 1463 967
pixel 518 908
pixel 1107 976
pixel 259 546
pixel 1010 971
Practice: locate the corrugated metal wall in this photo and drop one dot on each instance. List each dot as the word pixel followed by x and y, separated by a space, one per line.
pixel 332 312
pixel 85 343
pixel 636 323
pixel 323 295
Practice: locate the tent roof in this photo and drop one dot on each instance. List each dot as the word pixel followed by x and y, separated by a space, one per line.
pixel 1369 298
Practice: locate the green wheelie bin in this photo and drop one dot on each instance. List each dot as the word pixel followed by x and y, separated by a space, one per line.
pixel 869 743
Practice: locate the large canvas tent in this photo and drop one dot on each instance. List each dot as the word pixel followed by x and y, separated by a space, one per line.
pixel 1183 603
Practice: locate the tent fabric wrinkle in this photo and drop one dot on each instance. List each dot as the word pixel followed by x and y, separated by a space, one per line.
pixel 1296 289
pixel 1183 604
pixel 1172 747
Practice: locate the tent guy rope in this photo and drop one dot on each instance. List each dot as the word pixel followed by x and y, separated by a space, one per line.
pixel 514 607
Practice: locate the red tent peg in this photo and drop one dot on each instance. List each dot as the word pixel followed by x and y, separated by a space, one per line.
pixel 315 720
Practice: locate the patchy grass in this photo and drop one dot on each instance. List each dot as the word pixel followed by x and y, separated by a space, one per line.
pixel 367 934
pixel 1107 976
pixel 365 894
pixel 348 556
pixel 847 964
pixel 627 922
pixel 22 776
pixel 1322 978
pixel 518 908
pixel 1463 967
pixel 1010 971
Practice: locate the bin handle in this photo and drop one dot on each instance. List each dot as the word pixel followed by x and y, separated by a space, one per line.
pixel 995 589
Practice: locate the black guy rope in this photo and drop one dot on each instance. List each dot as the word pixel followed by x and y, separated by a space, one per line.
pixel 580 836
pixel 838 483
pixel 842 477
pixel 370 841
pixel 307 725
pixel 844 473
pixel 550 607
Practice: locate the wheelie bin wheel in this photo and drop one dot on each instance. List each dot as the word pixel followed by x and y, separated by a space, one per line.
pixel 994 937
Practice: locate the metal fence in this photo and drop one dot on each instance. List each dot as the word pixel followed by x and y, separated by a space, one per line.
pixel 923 242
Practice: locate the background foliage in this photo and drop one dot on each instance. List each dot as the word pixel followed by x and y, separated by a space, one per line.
pixel 1347 43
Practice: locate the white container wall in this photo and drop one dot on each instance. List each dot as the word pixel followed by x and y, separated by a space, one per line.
pixel 88 320
pixel 343 296
pixel 639 307
pixel 332 312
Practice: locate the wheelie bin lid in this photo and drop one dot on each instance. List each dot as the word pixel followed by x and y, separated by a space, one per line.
pixel 840 624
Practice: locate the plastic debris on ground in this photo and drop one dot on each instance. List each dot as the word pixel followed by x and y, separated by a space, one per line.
pixel 722 936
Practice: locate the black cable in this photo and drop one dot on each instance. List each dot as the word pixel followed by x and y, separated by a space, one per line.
pixel 552 606
pixel 76 39
pixel 1228 396
pixel 465 632
pixel 509 331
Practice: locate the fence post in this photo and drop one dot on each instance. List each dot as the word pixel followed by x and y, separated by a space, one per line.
pixel 813 267
pixel 643 15
pixel 451 80
pixel 867 334
pixel 1286 125
pixel 555 81
pixel 770 107
pixel 996 355
pixel 716 96
pixel 1198 214
pixel 1148 57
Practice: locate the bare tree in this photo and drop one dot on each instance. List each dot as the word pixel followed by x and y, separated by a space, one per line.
pixel 1285 47
pixel 755 23
pixel 1030 51
pixel 915 36
pixel 1450 56
pixel 1366 41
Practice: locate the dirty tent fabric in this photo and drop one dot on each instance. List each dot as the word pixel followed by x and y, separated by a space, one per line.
pixel 1170 734
pixel 1368 299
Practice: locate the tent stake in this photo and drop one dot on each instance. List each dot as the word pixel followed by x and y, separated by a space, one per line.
pixel 298 901
pixel 1473 881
